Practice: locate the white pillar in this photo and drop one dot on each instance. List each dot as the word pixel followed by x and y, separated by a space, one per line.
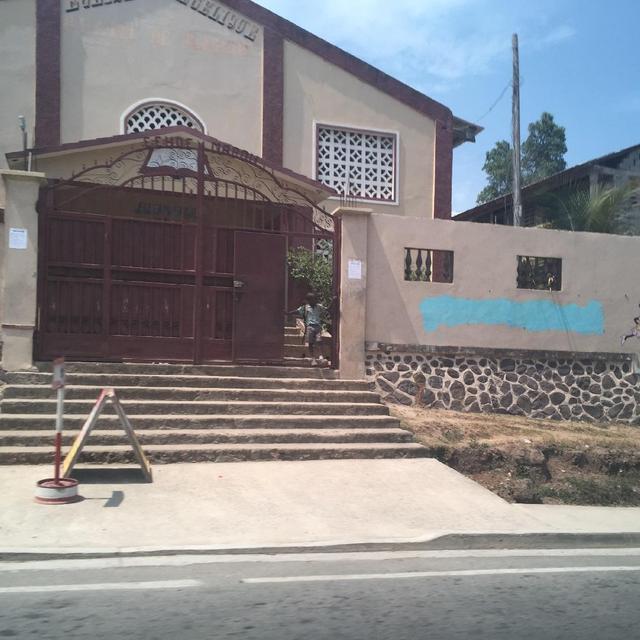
pixel 20 268
pixel 353 291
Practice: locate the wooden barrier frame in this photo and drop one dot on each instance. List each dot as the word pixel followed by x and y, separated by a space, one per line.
pixel 105 396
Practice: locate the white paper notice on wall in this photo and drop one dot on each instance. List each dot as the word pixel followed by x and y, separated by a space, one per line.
pixel 354 270
pixel 18 238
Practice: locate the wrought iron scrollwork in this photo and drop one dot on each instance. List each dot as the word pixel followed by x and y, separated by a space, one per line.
pixel 155 159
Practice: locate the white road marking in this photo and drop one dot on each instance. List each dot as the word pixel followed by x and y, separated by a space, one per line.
pixel 185 560
pixel 106 586
pixel 437 574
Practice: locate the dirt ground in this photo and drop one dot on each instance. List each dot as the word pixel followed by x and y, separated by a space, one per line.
pixel 534 461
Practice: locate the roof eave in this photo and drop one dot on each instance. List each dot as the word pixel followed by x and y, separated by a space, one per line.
pixel 465 131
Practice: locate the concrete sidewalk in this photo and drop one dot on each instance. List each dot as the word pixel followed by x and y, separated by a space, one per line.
pixel 275 504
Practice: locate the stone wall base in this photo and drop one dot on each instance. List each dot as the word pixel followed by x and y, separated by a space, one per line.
pixel 591 387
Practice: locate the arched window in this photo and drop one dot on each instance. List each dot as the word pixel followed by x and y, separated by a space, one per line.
pixel 152 115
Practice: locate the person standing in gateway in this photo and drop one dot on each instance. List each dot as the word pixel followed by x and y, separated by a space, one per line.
pixel 311 313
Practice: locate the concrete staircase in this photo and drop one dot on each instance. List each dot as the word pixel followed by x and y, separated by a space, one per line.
pixel 296 353
pixel 203 413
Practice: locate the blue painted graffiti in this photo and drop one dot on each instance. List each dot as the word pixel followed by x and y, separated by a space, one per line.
pixel 531 315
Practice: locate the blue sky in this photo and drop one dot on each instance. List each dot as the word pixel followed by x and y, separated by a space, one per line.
pixel 580 60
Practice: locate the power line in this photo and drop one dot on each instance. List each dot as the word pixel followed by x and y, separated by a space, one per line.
pixel 495 104
pixel 502 94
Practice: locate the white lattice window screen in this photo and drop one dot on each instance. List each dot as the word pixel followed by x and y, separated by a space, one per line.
pixel 357 163
pixel 158 116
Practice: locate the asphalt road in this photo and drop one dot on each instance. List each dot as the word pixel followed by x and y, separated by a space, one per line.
pixel 493 595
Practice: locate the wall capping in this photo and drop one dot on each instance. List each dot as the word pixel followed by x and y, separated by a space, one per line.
pixel 19 327
pixel 27 175
pixel 350 211
pixel 490 352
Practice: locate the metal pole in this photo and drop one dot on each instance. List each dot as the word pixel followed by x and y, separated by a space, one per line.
pixel 58 384
pixel 23 127
pixel 517 196
pixel 59 426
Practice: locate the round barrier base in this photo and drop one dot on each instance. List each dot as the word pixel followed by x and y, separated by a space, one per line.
pixel 63 492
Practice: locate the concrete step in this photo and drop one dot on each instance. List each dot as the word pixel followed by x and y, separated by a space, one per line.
pixel 209 436
pixel 172 453
pixel 173 407
pixel 208 413
pixel 299 350
pixel 203 381
pixel 294 368
pixel 85 392
pixel 9 422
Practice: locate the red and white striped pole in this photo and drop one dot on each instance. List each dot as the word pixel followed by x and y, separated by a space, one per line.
pixel 58 490
pixel 58 385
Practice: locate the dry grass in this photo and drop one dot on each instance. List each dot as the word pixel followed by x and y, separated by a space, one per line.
pixel 526 460
pixel 438 427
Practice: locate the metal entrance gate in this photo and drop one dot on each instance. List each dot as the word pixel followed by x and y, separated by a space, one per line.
pixel 183 267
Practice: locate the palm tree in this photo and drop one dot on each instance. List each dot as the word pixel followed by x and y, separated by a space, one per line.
pixel 597 210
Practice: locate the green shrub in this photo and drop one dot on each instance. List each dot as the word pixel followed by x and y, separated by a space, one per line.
pixel 315 270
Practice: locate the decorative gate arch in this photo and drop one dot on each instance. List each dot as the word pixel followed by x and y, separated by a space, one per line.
pixel 175 251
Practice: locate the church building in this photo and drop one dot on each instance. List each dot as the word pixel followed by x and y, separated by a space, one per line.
pixel 159 159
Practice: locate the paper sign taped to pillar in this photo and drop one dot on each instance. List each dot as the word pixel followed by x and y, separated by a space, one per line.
pixel 18 238
pixel 354 270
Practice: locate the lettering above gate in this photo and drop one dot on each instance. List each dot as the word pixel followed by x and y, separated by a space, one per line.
pixel 174 159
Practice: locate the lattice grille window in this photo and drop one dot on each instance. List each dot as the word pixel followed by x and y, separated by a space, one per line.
pixel 359 164
pixel 158 116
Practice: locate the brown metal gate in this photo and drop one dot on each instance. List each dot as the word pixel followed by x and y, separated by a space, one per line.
pixel 166 268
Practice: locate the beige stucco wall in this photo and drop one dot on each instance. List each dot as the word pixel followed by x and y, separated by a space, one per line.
pixel 20 268
pixel 319 92
pixel 116 55
pixel 595 267
pixel 18 73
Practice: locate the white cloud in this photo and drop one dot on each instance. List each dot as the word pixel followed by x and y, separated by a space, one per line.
pixel 559 34
pixel 424 42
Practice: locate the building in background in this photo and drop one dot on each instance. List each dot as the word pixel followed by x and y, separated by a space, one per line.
pixel 539 198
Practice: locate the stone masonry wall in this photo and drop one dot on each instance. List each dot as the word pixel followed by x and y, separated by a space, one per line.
pixel 576 387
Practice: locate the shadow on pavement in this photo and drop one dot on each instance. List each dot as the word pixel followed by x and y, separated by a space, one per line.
pixel 109 476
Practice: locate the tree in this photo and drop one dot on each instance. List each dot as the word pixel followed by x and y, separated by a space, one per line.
pixel 597 210
pixel 543 150
pixel 499 170
pixel 542 155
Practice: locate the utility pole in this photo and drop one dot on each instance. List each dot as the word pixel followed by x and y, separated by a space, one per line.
pixel 517 196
